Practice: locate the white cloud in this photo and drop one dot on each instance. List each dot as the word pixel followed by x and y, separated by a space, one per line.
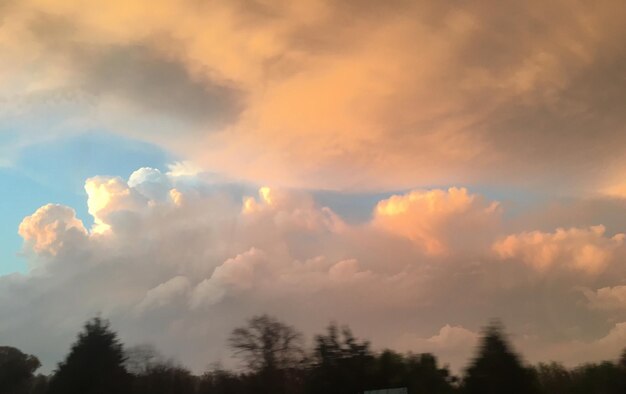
pixel 51 229
pixel 454 345
pixel 151 183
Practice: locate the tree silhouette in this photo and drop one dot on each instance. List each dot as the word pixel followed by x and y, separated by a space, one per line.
pixel 95 364
pixel 602 378
pixel 342 364
pixel 271 350
pixel 16 370
pixel 554 378
pixel 164 378
pixel 424 376
pixel 622 360
pixel 140 358
pixel 266 343
pixel 496 369
pixel 220 381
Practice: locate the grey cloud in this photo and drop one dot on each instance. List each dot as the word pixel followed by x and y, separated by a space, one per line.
pixel 139 72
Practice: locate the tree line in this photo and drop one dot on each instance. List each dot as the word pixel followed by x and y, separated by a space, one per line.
pixel 277 362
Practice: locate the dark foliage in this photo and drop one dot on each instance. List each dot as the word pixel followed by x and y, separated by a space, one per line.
pixel 164 379
pixel 223 382
pixel 496 369
pixel 95 364
pixel 341 364
pixel 272 352
pixel 276 363
pixel 16 371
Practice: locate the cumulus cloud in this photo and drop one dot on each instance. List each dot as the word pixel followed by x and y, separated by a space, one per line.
pixel 582 249
pixel 239 272
pixel 178 260
pixel 340 95
pixel 454 344
pixel 52 228
pixel 290 210
pixel 437 220
pixel 163 294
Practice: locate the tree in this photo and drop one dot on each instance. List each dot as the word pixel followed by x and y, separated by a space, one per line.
pixel 95 364
pixel 140 358
pixel 219 381
pixel 603 378
pixel 496 369
pixel 554 378
pixel 272 351
pixel 423 375
pixel 342 364
pixel 164 378
pixel 16 370
pixel 267 344
pixel 622 360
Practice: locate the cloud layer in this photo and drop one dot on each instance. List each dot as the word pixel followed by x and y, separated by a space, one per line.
pixel 341 95
pixel 179 261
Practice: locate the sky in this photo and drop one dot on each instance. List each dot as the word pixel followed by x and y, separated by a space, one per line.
pixel 413 169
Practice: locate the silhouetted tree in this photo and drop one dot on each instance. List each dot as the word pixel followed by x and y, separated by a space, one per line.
pixel 95 364
pixel 602 378
pixel 39 385
pixel 423 375
pixel 271 350
pixel 275 361
pixel 341 363
pixel 622 360
pixel 219 381
pixel 554 378
pixel 164 378
pixel 16 370
pixel 140 358
pixel 496 369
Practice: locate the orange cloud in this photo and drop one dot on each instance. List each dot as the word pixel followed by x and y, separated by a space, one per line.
pixel 52 228
pixel 341 95
pixel 582 249
pixel 437 220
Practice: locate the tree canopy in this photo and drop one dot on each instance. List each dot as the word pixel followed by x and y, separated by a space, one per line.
pixel 16 370
pixel 497 369
pixel 95 364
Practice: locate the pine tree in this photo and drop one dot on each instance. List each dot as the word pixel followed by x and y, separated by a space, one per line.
pixel 496 369
pixel 95 364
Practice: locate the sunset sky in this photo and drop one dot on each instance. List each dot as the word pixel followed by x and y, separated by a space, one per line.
pixel 410 168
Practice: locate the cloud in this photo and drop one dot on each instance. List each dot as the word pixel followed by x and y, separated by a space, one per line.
pixel 453 344
pixel 581 249
pixel 178 260
pixel 290 210
pixel 239 272
pixel 163 294
pixel 340 95
pixel 347 270
pixel 608 346
pixel 607 298
pixel 437 220
pixel 52 229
